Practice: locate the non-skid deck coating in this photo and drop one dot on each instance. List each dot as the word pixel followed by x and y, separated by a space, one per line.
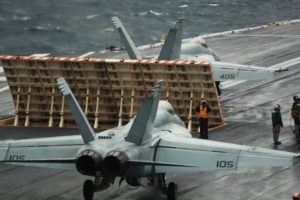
pixel 247 109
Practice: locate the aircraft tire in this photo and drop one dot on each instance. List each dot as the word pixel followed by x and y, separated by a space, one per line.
pixel 172 191
pixel 88 190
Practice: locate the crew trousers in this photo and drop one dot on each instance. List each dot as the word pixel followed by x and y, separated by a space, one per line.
pixel 203 123
pixel 276 131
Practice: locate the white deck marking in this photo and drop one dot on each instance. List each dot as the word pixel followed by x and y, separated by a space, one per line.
pixel 2 79
pixel 228 84
pixel 40 54
pixel 282 65
pixel 87 54
pixel 285 64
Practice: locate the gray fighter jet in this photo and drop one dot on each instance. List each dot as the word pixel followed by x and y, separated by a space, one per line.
pixel 194 49
pixel 152 144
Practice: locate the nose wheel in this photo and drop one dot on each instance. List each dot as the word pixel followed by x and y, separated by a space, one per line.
pixel 172 191
pixel 88 190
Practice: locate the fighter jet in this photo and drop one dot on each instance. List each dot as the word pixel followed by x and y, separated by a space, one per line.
pixel 155 142
pixel 194 49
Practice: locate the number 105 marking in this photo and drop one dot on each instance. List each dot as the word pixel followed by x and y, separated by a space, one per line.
pixel 224 164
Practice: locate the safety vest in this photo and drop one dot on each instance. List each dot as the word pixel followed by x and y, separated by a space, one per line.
pixel 203 112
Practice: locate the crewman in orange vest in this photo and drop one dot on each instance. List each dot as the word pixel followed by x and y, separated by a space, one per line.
pixel 203 109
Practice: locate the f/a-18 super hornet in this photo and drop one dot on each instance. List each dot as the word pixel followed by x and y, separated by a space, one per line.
pixel 155 142
pixel 194 49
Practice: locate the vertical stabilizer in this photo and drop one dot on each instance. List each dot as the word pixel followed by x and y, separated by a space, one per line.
pixel 132 51
pixel 141 129
pixel 172 46
pixel 85 128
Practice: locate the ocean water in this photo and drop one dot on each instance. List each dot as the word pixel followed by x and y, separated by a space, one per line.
pixel 74 27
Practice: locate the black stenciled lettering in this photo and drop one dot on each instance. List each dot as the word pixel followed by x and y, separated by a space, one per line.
pixel 224 164
pixel 227 76
pixel 230 164
pixel 16 157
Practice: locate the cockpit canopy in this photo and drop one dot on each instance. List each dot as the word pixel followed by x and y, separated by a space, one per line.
pixel 200 41
pixel 164 105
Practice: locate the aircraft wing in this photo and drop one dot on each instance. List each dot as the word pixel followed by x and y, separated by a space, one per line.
pixel 228 71
pixel 177 154
pixel 55 152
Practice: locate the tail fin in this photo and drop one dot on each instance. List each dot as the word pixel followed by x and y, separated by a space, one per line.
pixel 85 128
pixel 172 47
pixel 132 51
pixel 141 129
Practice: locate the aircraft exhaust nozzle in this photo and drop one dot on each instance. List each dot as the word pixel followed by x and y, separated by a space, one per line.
pixel 133 181
pixel 114 163
pixel 88 162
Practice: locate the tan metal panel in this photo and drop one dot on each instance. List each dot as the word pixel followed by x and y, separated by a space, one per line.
pixel 110 91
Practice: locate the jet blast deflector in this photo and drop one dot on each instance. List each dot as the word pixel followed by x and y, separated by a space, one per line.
pixel 109 91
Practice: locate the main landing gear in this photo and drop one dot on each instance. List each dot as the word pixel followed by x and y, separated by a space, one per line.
pixel 90 187
pixel 88 190
pixel 101 183
pixel 172 191
pixel 159 181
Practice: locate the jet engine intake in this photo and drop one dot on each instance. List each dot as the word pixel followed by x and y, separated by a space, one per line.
pixel 88 162
pixel 114 163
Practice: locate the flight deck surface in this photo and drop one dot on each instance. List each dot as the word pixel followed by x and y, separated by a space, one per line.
pixel 247 110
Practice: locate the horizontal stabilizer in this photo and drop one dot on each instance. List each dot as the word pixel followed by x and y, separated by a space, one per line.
pixel 84 127
pixel 152 163
pixel 141 129
pixel 194 155
pixel 60 161
pixel 228 71
pixel 132 51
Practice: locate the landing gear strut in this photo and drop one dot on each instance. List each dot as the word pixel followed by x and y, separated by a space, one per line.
pixel 171 191
pixel 218 87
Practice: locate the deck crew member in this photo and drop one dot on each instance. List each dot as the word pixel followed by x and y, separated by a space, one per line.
pixel 296 116
pixel 277 123
pixel 203 109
